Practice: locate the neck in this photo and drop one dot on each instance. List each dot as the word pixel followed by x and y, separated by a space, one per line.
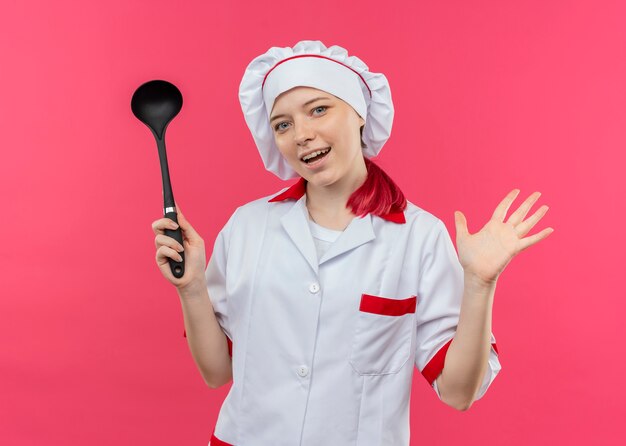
pixel 327 204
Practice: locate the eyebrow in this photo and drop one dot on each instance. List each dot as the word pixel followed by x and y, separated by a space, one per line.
pixel 303 105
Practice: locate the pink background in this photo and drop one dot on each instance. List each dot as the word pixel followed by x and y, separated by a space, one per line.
pixel 489 96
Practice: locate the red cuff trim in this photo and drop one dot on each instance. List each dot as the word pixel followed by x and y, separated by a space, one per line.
pixel 435 365
pixel 230 346
pixel 217 442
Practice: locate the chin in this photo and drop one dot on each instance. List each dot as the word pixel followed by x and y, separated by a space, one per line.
pixel 321 180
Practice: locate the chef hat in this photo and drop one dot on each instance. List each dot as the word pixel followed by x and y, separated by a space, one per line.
pixel 310 64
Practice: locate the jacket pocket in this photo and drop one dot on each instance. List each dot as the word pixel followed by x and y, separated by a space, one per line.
pixel 382 337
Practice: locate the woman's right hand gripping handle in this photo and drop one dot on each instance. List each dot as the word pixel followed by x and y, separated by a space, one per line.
pixel 167 247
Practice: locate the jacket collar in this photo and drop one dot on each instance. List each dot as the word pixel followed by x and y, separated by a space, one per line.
pixel 296 191
pixel 295 222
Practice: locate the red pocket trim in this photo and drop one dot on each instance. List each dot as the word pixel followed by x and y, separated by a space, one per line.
pixel 386 306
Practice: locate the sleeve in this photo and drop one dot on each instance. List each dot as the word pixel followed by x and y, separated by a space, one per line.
pixel 215 275
pixel 440 292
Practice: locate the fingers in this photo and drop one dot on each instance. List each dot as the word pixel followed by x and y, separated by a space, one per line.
pixel 521 212
pixel 460 223
pixel 164 240
pixel 159 226
pixel 189 233
pixel 164 253
pixel 524 228
pixel 504 205
pixel 167 247
pixel 529 241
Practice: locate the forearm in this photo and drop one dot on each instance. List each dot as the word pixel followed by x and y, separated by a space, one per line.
pixel 206 340
pixel 467 357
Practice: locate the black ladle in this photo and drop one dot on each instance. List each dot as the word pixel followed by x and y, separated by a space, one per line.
pixel 156 103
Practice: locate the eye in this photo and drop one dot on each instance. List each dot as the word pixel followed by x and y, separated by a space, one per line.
pixel 323 107
pixel 278 127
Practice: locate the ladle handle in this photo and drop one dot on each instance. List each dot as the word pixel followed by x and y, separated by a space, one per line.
pixel 178 268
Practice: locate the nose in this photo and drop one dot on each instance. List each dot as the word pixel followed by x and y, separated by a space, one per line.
pixel 303 132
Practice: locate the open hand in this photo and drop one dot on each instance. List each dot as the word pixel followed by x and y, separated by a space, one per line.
pixel 486 253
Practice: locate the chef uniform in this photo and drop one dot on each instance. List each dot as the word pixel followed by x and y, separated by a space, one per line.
pixel 325 326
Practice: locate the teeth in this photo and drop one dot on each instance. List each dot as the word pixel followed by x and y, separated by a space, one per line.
pixel 314 154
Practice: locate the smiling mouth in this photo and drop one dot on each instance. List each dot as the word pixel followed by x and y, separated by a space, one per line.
pixel 311 158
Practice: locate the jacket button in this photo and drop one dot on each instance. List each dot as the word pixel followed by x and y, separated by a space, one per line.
pixel 314 287
pixel 303 371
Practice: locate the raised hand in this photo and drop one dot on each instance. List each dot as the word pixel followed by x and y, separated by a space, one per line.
pixel 486 253
pixel 167 247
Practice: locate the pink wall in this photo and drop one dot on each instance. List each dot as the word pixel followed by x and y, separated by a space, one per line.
pixel 488 97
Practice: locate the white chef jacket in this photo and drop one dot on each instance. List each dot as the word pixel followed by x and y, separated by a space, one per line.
pixel 323 349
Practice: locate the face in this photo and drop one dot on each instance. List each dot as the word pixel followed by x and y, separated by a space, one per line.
pixel 305 120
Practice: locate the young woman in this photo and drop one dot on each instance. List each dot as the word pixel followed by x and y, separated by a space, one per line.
pixel 319 301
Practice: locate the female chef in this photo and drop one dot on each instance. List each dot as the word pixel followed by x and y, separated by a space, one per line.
pixel 319 301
